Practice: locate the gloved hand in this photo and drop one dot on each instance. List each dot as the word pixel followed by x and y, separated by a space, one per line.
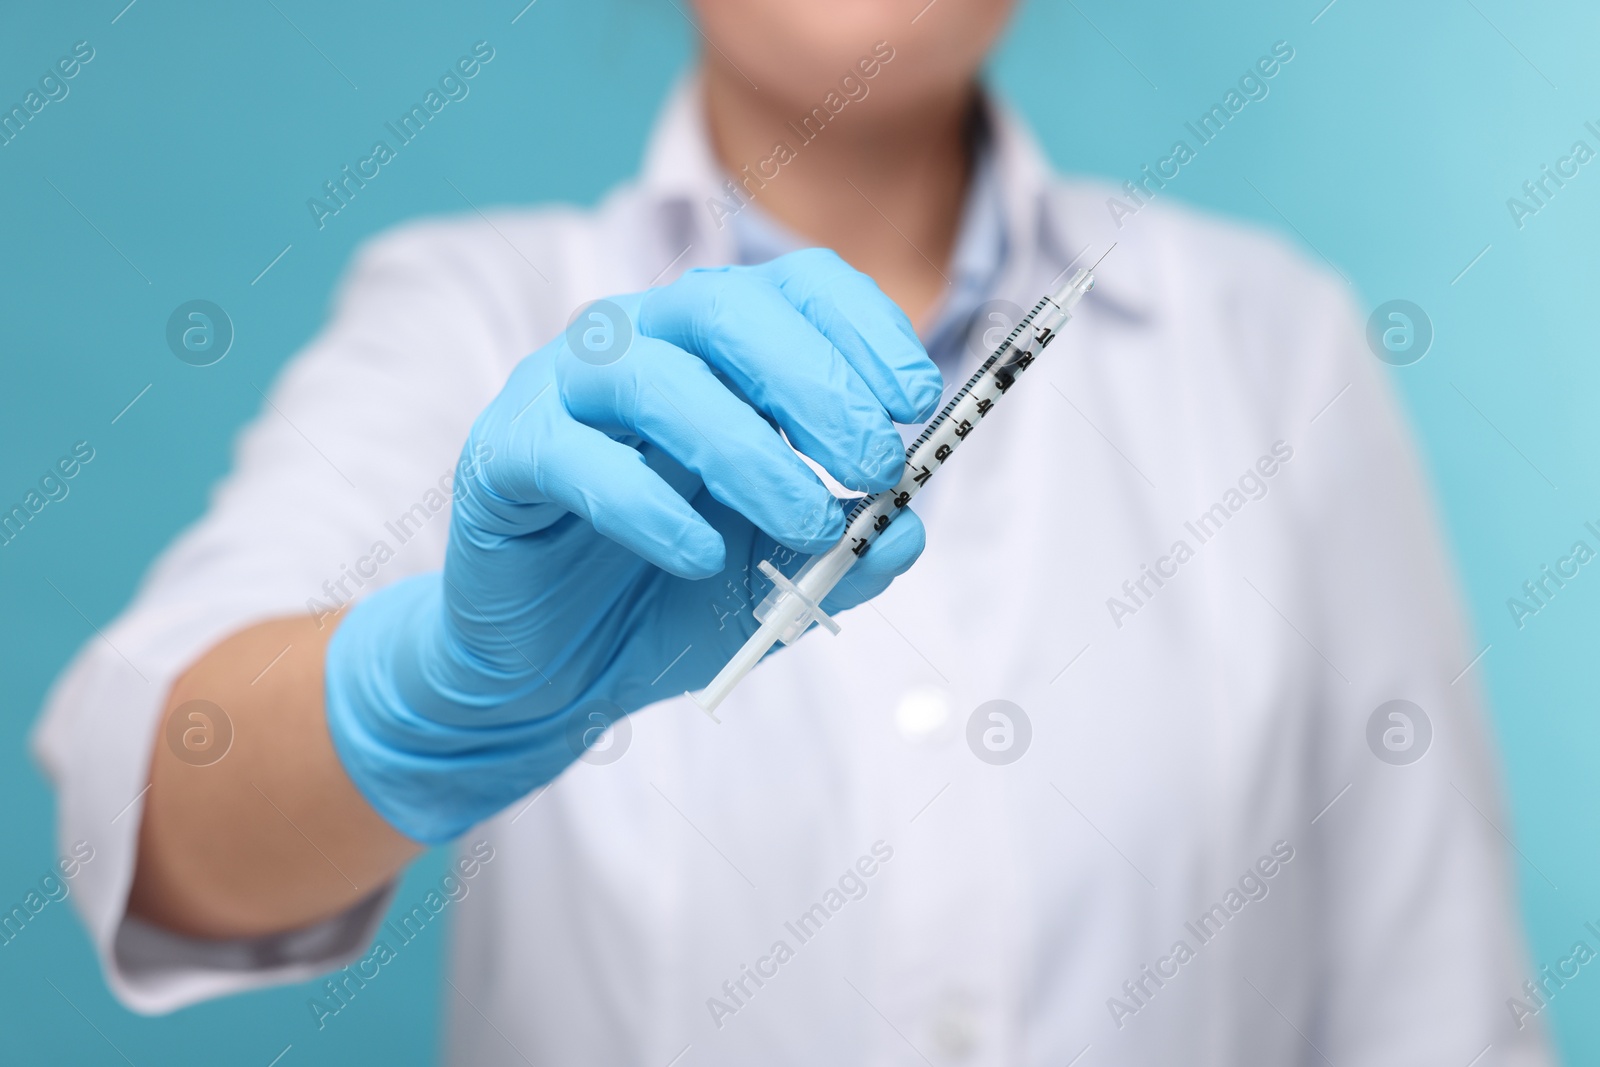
pixel 611 508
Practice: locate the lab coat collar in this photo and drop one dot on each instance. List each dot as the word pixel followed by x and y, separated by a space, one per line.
pixel 1046 225
pixel 1063 225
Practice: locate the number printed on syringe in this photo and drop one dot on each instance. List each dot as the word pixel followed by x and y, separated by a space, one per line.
pixel 795 603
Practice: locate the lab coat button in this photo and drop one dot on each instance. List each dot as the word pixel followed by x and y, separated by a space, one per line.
pixel 922 713
pixel 955 1028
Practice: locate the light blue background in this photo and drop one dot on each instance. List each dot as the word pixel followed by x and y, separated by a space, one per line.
pixel 194 138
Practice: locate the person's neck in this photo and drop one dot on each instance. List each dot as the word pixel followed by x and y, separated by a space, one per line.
pixel 884 191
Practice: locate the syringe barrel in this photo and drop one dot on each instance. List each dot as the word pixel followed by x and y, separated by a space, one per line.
pixel 932 448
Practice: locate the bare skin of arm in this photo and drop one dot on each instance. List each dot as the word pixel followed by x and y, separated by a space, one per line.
pixel 273 836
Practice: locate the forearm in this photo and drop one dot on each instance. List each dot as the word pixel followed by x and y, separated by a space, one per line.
pixel 274 835
pixel 576 565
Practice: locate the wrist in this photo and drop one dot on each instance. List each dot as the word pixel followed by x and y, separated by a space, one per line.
pixel 432 746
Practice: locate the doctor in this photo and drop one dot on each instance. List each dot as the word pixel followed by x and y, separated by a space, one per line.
pixel 1092 782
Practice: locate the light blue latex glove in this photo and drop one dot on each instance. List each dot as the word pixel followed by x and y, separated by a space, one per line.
pixel 611 508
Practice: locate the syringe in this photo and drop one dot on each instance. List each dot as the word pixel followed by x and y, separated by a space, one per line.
pixel 793 604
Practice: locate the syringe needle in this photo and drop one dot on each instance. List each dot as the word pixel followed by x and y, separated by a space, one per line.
pixel 1103 256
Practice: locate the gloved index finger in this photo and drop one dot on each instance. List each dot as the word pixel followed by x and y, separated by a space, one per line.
pixel 867 328
pixel 743 327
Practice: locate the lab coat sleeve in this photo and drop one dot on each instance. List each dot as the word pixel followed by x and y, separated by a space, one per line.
pixel 352 450
pixel 1423 942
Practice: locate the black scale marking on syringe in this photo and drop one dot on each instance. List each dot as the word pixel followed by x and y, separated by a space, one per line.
pixel 1002 381
pixel 794 604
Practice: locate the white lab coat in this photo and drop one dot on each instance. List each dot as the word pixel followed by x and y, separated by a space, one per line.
pixel 996 914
